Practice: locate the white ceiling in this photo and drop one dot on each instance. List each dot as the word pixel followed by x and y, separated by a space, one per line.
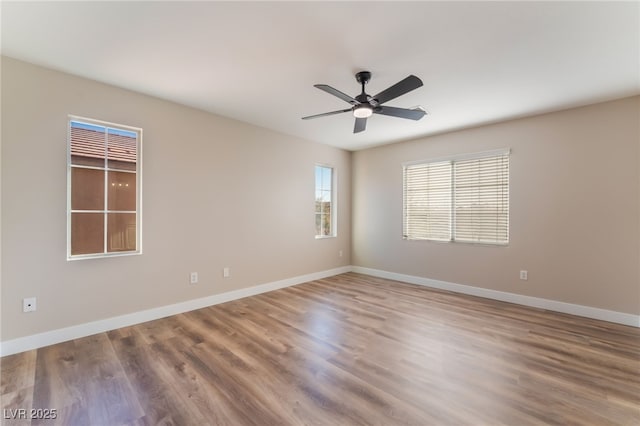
pixel 257 62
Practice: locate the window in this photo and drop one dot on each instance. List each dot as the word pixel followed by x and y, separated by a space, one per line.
pixel 463 199
pixel 104 181
pixel 325 202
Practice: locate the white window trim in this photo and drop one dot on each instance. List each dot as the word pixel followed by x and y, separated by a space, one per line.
pixel 334 200
pixel 453 158
pixel 138 172
pixel 459 157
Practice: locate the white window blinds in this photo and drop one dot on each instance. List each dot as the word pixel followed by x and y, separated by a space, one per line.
pixel 427 201
pixel 464 198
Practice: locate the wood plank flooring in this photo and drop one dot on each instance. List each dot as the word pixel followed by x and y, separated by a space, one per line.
pixel 346 350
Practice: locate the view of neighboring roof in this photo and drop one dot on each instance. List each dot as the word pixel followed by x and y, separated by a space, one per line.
pixel 89 141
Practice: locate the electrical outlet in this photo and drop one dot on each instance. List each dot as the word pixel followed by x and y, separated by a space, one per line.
pixel 524 275
pixel 29 304
pixel 340 253
pixel 193 278
pixel 226 272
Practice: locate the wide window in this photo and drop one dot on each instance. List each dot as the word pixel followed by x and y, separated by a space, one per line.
pixel 103 189
pixel 463 198
pixel 325 202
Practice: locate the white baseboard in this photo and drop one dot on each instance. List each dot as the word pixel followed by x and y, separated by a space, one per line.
pixel 47 338
pixel 536 302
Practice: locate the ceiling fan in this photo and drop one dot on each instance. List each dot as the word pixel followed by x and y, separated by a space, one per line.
pixel 363 105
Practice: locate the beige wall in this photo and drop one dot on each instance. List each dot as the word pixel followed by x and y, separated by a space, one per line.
pixel 575 209
pixel 216 193
pixel 219 193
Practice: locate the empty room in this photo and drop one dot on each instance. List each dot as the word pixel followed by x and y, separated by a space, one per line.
pixel 320 213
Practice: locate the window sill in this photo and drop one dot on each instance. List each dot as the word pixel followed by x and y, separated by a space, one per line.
pixel 458 242
pixel 103 255
pixel 324 237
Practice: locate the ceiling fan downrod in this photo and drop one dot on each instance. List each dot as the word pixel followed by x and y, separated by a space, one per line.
pixel 363 78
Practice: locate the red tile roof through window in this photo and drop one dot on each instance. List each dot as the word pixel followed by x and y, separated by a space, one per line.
pixel 90 143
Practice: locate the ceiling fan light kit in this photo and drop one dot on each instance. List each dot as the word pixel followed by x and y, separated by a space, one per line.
pixel 364 106
pixel 362 111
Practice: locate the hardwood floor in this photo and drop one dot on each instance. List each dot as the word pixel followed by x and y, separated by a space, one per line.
pixel 347 350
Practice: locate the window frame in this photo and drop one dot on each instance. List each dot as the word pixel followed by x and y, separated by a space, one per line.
pixel 138 172
pixel 452 218
pixel 334 202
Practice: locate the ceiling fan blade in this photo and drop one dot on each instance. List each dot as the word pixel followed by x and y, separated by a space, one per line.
pixel 324 114
pixel 336 92
pixel 361 124
pixel 411 114
pixel 400 88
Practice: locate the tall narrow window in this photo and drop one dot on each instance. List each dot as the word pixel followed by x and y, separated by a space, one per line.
pixel 325 203
pixel 463 198
pixel 104 189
